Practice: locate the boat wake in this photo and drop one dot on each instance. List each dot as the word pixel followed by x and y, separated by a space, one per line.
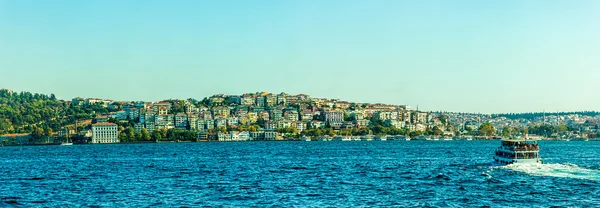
pixel 556 170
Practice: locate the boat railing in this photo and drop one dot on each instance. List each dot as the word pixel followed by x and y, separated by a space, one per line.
pixel 530 155
pixel 513 148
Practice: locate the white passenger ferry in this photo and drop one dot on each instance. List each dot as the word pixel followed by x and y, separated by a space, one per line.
pixel 518 151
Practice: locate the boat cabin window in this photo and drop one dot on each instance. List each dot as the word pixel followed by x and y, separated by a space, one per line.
pixel 521 145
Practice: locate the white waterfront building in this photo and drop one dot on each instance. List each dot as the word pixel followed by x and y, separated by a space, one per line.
pixel 104 133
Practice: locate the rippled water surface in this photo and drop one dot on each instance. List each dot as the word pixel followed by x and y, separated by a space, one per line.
pixel 288 174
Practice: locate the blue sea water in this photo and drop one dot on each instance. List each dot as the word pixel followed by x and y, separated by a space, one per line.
pixel 297 174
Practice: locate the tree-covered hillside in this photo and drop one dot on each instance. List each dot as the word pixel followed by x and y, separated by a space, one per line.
pixel 27 112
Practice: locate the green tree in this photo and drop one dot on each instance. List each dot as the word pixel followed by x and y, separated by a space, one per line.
pixel 138 136
pixel 261 122
pixel 330 132
pixel 562 128
pixel 288 130
pixel 415 133
pixel 123 137
pixel 37 133
pixel 130 133
pixel 507 131
pixel 48 131
pixel 163 133
pixel 145 136
pixel 156 135
pixel 444 119
pixel 437 131
pixel 487 129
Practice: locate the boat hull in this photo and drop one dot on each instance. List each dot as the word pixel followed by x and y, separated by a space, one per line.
pixel 506 161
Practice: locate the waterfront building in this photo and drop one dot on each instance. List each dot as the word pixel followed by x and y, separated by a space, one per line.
pixel 20 139
pixel 270 135
pixel 65 132
pixel 104 133
pixel 256 135
pixel 222 137
pixel 239 136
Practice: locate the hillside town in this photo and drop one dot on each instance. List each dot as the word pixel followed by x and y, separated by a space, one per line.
pixel 266 116
pixel 253 116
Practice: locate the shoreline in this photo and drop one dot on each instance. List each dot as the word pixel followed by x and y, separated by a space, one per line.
pixel 285 140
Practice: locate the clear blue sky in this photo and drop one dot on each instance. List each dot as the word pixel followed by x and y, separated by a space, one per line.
pixel 472 56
